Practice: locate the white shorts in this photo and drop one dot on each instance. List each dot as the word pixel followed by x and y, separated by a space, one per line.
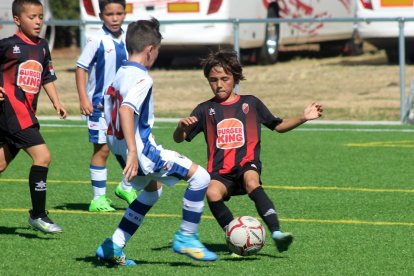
pixel 97 129
pixel 172 168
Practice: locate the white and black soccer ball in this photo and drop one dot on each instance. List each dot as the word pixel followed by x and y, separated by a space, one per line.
pixel 245 236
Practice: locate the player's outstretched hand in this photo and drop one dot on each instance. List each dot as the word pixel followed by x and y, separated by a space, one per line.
pixel 185 123
pixel 313 111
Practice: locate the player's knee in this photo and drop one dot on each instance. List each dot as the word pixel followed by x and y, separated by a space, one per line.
pixel 213 194
pixel 251 186
pixel 43 160
pixel 150 198
pixel 200 179
pixel 101 151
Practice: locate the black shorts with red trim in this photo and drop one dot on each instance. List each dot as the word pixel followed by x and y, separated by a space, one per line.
pixel 234 180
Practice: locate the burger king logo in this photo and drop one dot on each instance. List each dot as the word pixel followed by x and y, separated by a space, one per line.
pixel 29 76
pixel 230 134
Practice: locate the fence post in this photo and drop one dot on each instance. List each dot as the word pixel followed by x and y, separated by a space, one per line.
pixel 236 45
pixel 236 31
pixel 82 34
pixel 401 50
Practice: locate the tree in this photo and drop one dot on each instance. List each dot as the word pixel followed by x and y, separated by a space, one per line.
pixel 66 36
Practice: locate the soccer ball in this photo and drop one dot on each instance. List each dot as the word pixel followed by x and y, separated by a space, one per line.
pixel 245 236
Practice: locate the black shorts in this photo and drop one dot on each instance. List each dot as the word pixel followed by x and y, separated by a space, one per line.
pixel 22 139
pixel 234 180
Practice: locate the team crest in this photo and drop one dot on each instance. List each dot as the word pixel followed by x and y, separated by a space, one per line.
pixel 211 111
pixel 245 108
pixel 16 49
pixel 51 68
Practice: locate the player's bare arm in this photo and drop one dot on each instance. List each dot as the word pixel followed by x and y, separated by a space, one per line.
pixel 50 89
pixel 311 112
pixel 85 105
pixel 127 124
pixel 182 128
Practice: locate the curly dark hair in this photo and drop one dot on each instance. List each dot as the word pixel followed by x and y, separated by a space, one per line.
pixel 228 60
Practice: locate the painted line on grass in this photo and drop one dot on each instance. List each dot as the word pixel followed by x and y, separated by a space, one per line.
pixel 316 188
pixel 300 220
pixel 335 129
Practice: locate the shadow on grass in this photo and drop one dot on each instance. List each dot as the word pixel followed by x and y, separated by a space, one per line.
pixel 81 207
pixel 100 263
pixel 222 249
pixel 20 231
pixel 73 206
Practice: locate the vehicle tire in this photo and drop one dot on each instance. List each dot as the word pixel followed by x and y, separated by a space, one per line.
pixel 355 46
pixel 269 52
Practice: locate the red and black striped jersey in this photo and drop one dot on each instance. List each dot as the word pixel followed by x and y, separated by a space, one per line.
pixel 25 66
pixel 232 131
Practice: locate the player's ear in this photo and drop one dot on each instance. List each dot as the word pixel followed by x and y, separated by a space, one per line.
pixel 16 20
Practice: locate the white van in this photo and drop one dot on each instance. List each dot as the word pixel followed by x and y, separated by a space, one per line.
pixel 384 35
pixel 7 30
pixel 260 40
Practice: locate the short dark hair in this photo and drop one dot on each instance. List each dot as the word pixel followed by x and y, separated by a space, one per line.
pixel 17 6
pixel 103 3
pixel 141 34
pixel 228 60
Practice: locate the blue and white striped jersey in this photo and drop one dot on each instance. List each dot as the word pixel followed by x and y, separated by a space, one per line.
pixel 102 56
pixel 132 87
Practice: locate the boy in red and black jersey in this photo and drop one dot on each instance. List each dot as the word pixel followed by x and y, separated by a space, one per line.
pixel 231 126
pixel 26 66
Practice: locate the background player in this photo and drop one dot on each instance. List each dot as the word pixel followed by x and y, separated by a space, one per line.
pixel 26 65
pixel 100 59
pixel 231 124
pixel 129 113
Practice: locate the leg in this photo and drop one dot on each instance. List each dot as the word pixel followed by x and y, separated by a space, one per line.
pixel 124 189
pixel 266 209
pixel 111 249
pixel 186 239
pixel 7 154
pixel 215 194
pixel 37 182
pixel 98 172
pixel 264 205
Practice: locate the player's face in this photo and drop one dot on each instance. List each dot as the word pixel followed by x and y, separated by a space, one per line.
pixel 222 84
pixel 30 21
pixel 113 16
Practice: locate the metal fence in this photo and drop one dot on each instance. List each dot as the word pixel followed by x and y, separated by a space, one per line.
pixel 236 24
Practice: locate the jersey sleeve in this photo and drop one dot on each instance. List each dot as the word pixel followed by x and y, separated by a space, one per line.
pixel 48 74
pixel 138 94
pixel 88 55
pixel 265 116
pixel 198 127
pixel 3 47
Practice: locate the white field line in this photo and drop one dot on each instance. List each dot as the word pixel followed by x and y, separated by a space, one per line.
pixel 317 122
